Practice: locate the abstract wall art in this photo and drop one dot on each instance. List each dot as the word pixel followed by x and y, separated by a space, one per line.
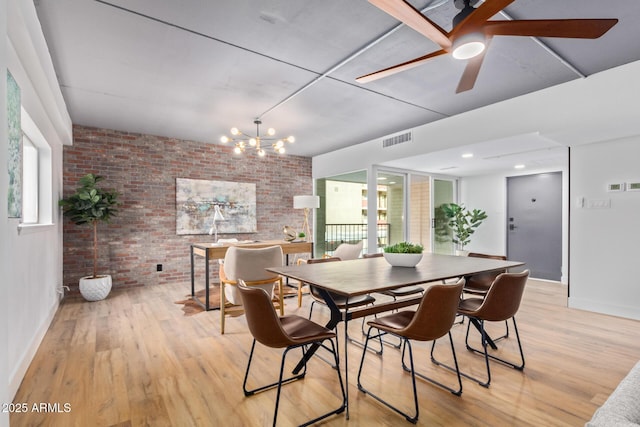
pixel 196 200
pixel 15 148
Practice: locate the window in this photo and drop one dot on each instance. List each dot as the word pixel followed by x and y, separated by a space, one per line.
pixel 29 181
pixel 36 175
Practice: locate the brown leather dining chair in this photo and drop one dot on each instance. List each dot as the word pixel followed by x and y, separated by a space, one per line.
pixel 432 319
pixel 479 284
pixel 288 332
pixel 341 302
pixel 501 303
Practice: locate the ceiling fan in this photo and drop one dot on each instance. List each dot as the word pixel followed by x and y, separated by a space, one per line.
pixel 472 33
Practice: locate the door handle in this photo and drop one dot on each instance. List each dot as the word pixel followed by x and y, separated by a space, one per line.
pixel 512 227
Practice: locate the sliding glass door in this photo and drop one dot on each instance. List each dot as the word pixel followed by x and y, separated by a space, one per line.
pixel 443 193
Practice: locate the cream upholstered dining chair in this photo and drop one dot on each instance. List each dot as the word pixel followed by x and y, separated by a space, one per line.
pixel 344 251
pixel 347 251
pixel 248 264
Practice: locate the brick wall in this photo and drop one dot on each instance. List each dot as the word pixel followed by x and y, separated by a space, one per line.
pixel 143 169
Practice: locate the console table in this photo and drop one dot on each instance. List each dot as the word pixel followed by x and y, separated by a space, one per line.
pixel 210 251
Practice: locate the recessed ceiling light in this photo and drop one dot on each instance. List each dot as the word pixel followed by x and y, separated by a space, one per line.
pixel 519 166
pixel 467 155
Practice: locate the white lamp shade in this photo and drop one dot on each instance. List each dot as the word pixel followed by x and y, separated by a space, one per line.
pixel 217 215
pixel 309 202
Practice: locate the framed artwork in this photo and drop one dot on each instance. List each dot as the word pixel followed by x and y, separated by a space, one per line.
pixel 15 148
pixel 196 200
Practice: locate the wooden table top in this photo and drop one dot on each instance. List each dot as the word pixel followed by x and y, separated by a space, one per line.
pixel 367 275
pixel 218 250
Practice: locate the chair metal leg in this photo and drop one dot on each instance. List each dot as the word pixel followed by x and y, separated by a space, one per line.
pixel 349 338
pixel 519 366
pixel 485 343
pixel 456 391
pixel 411 418
pixel 282 381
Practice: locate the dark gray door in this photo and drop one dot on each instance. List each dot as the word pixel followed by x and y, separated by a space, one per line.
pixel 534 223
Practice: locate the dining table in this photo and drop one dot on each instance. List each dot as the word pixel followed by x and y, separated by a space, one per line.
pixel 374 275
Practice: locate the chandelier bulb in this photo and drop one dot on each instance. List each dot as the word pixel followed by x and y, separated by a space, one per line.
pixel 242 141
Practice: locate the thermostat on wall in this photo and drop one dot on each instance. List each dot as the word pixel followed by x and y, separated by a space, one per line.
pixel 633 186
pixel 616 187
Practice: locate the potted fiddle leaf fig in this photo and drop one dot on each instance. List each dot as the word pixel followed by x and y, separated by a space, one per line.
pixel 89 205
pixel 463 223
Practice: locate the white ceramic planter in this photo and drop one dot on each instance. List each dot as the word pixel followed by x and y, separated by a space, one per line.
pixel 462 253
pixel 95 289
pixel 402 260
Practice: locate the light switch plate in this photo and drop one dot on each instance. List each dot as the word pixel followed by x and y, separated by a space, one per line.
pixel 598 203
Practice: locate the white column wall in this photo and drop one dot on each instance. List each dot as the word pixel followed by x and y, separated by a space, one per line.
pixel 31 259
pixel 604 241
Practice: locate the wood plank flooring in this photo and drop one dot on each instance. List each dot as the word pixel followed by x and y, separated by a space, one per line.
pixel 136 360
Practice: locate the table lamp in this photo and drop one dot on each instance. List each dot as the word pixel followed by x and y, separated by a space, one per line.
pixel 306 203
pixel 217 216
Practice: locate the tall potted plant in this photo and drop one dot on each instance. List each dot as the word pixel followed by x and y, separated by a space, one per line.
pixel 463 223
pixel 90 204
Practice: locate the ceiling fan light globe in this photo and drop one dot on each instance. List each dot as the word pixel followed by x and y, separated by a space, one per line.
pixel 253 142
pixel 234 131
pixel 271 131
pixel 468 50
pixel 291 139
pixel 237 150
pixel 224 139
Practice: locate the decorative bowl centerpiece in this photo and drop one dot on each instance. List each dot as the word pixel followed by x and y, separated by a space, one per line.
pixel 403 254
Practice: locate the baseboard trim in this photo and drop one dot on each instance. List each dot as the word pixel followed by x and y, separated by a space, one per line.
pixel 18 374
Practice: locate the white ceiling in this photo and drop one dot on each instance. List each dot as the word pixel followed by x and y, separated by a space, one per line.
pixel 192 69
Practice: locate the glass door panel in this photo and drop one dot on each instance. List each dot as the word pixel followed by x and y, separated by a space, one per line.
pixel 420 210
pixel 390 209
pixel 342 217
pixel 443 193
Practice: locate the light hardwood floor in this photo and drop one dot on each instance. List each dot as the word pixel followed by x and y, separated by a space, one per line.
pixel 134 360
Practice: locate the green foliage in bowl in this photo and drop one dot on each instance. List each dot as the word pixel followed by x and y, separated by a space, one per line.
pixel 404 248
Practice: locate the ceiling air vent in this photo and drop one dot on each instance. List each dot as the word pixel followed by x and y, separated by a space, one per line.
pixel 397 139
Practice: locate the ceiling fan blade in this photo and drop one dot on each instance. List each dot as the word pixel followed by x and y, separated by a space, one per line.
pixel 410 16
pixel 570 28
pixel 471 71
pixel 400 67
pixel 476 19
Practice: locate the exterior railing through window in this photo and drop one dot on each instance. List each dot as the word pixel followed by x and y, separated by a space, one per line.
pixel 335 234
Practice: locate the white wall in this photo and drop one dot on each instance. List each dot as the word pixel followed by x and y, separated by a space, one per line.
pixel 31 259
pixel 5 262
pixel 598 108
pixel 604 241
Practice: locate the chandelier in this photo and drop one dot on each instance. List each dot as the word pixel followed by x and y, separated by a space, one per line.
pixel 257 142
